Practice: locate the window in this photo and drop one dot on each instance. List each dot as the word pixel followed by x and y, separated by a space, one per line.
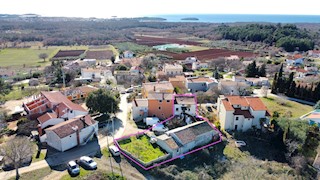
pixel 71 111
pixel 159 107
pixel 160 101
pixel 168 101
pixel 237 118
pixel 177 109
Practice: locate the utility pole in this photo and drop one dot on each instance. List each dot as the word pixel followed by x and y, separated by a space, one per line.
pixel 63 78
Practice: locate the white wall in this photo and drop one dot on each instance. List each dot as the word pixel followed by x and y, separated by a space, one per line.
pixel 136 112
pixel 53 140
pixel 52 122
pixel 164 146
pixel 74 113
pixel 192 110
pixel 257 116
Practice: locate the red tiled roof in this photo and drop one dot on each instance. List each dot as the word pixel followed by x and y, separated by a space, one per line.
pixel 57 97
pixel 201 79
pixel 47 116
pixel 245 113
pixel 254 102
pixel 227 105
pixel 87 89
pixel 237 100
pixel 68 127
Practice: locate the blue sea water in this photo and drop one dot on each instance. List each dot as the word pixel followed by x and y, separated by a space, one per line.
pixel 232 18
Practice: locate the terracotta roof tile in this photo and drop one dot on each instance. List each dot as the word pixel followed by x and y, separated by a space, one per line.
pixel 185 100
pixel 227 105
pixel 67 128
pixel 157 86
pixel 47 116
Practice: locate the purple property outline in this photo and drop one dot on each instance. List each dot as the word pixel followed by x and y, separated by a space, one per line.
pixel 149 129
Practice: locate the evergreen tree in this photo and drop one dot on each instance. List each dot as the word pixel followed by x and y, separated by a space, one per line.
pixel 280 71
pixel 251 70
pixel 317 92
pixel 291 90
pixel 290 80
pixel 216 73
pixel 274 88
pixel 262 71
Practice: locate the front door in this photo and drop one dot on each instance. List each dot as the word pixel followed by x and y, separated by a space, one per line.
pixel 236 127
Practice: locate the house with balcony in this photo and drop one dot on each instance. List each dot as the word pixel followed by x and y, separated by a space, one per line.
pixel 241 113
pixel 185 105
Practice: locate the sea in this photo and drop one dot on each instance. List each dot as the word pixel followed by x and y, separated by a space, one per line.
pixel 233 18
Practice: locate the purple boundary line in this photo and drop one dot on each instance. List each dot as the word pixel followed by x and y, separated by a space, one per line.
pixel 149 129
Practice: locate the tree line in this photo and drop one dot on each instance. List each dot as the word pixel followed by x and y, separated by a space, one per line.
pixel 287 36
pixel 289 87
pixel 252 70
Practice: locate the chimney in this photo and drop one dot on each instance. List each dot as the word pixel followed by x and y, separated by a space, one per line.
pixel 76 129
pixel 39 130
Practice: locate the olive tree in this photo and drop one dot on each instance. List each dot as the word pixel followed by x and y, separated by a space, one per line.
pixel 17 151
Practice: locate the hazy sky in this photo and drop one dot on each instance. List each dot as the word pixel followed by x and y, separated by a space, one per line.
pixel 133 8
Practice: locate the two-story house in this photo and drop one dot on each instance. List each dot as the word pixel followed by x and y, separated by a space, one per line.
pixel 241 113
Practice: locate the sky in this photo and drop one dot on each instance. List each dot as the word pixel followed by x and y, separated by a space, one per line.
pixel 138 8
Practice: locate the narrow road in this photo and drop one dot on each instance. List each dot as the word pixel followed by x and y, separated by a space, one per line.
pixel 120 125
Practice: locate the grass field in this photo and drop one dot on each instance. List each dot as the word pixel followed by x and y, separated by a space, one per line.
pixel 141 148
pixel 27 56
pixel 196 48
pixel 284 106
pixel 37 174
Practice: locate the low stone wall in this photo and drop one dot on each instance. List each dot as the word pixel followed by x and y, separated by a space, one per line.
pixel 147 164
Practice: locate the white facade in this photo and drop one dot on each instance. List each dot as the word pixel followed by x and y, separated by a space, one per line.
pixel 73 113
pixel 190 60
pixel 68 142
pixel 139 110
pixel 172 70
pixel 189 109
pixel 128 54
pixel 52 122
pixel 197 65
pixel 230 120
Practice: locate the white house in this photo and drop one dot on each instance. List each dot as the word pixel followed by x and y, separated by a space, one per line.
pixel 172 69
pixel 295 62
pixel 314 53
pixel 71 133
pixel 195 84
pixel 241 113
pixel 190 60
pixel 185 104
pixel 198 65
pixel 232 88
pixel 184 139
pixel 139 109
pixel 49 119
pixel 128 54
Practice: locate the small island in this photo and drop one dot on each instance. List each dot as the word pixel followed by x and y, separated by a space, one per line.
pixel 190 19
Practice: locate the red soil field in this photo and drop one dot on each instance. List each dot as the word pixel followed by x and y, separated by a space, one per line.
pixel 69 53
pixel 153 41
pixel 99 55
pixel 206 54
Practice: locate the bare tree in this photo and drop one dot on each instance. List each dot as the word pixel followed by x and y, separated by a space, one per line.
pixel 17 151
pixel 43 56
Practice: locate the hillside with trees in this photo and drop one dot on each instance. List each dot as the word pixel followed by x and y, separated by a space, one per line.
pixel 289 37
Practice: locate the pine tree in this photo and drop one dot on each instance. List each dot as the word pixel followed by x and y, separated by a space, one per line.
pixel 274 88
pixel 281 71
pixel 251 70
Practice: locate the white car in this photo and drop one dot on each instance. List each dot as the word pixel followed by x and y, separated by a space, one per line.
pixel 73 168
pixel 87 163
pixel 240 143
pixel 114 150
pixel 159 128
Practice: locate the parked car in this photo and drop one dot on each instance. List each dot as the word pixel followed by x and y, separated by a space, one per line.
pixel 129 90
pixel 73 168
pixel 114 150
pixel 87 163
pixel 122 92
pixel 240 143
pixel 159 128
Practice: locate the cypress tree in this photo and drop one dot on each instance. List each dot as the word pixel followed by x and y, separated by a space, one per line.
pixel 262 71
pixel 292 89
pixel 281 71
pixel 274 88
pixel 290 80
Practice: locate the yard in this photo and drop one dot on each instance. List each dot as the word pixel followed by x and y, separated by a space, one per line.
pixel 285 107
pixel 141 148
pixel 37 174
pixel 27 56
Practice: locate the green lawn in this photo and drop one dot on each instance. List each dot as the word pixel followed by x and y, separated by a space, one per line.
pixel 27 56
pixel 141 148
pixel 284 106
pixel 36 174
pixel 82 175
pixel 98 174
pixel 196 48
